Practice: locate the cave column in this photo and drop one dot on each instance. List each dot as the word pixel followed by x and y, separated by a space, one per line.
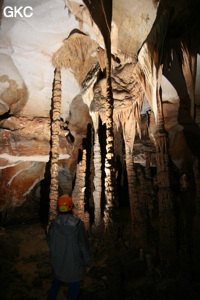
pixel 142 207
pixel 55 131
pixel 167 223
pixel 109 158
pixel 78 194
pixel 128 121
pixel 149 193
pixel 151 82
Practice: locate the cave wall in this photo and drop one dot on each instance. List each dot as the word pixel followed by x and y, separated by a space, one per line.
pixel 26 79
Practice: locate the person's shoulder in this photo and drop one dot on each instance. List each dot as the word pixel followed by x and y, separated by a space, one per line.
pixel 75 220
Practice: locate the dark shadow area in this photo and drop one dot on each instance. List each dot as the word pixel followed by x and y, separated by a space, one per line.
pixel 122 184
pixel 44 195
pixel 88 146
pixel 25 261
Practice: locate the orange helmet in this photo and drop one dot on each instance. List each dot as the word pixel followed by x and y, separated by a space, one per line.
pixel 65 203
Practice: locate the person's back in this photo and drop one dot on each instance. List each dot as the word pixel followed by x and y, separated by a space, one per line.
pixel 69 249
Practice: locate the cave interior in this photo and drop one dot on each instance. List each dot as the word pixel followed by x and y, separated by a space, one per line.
pixel 101 100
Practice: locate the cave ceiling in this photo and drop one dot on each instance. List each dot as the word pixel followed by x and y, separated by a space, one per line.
pixel 152 43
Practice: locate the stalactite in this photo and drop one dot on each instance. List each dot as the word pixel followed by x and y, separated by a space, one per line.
pixel 129 128
pixel 55 131
pixel 146 73
pixel 128 119
pixel 76 54
pixel 78 194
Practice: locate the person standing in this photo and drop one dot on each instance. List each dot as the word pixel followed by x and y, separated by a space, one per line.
pixel 69 250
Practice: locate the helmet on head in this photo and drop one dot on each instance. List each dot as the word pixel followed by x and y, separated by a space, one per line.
pixel 65 203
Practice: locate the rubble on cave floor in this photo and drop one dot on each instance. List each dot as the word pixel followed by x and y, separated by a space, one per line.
pixel 26 271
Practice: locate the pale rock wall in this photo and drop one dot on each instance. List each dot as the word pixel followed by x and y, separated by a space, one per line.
pixel 132 22
pixel 28 44
pixel 26 79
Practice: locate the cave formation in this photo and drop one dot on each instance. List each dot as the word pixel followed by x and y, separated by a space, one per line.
pixel 101 100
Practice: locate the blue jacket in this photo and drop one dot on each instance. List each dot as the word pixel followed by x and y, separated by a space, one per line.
pixel 69 248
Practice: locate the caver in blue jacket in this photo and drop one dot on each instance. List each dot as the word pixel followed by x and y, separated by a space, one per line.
pixel 69 248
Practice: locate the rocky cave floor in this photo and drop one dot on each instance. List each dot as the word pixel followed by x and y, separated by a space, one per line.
pixel 25 271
